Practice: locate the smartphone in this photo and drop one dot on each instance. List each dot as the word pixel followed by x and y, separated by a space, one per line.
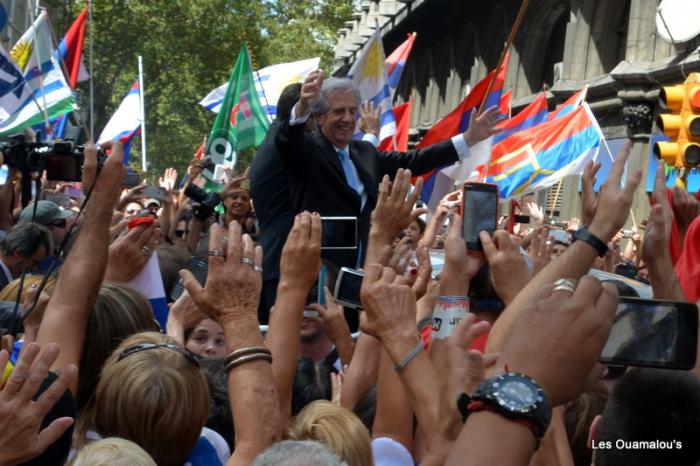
pixel 199 268
pixel 151 192
pixel 653 333
pixel 339 233
pixel 479 212
pixel 317 294
pixel 522 219
pixel 131 180
pixel 347 288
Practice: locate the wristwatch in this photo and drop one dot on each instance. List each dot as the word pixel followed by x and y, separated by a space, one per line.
pixel 516 397
pixel 587 237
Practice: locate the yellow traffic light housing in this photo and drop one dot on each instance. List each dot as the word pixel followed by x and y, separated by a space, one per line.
pixel 681 125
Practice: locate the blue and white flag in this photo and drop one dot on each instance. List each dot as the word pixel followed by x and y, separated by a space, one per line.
pixel 149 283
pixel 49 94
pixel 369 74
pixel 269 82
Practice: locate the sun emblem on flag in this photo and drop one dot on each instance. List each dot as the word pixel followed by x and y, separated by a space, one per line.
pixel 374 66
pixel 21 53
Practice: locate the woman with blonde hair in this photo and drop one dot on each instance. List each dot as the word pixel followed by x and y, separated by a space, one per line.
pixel 337 428
pixel 112 451
pixel 152 392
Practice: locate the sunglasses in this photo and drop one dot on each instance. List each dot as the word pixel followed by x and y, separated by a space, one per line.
pixel 149 346
pixel 58 223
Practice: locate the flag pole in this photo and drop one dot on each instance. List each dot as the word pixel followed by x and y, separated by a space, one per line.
pixel 506 47
pixel 92 73
pixel 144 162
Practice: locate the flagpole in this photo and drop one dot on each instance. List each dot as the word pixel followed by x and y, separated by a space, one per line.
pixel 92 86
pixel 267 104
pixel 509 42
pixel 142 106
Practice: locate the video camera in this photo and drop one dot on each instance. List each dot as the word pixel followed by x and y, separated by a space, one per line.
pixel 207 201
pixel 62 160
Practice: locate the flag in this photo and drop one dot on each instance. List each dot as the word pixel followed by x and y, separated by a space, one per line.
pixel 396 61
pixel 14 90
pixel 241 123
pixel 452 124
pixel 532 115
pixel 369 74
pixel 570 104
pixel 402 114
pixel 539 157
pixel 70 51
pixel 50 95
pixel 269 83
pixel 506 102
pixel 149 282
pixel 126 121
pixel 494 97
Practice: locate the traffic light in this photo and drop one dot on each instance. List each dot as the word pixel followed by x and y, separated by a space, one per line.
pixel 681 124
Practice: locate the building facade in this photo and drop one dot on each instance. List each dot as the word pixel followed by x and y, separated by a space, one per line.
pixel 612 46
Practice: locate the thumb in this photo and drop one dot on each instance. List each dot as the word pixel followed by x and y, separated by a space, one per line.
pixel 52 433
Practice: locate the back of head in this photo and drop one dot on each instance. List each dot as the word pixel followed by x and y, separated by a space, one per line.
pixel 337 428
pixel 26 238
pixel 156 397
pixel 651 419
pixel 112 451
pixel 578 417
pixel 298 453
pixel 119 312
pixel 312 381
pixel 333 85
pixel 9 293
pixel 289 96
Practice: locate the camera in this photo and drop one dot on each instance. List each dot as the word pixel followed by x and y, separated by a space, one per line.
pixel 207 201
pixel 62 160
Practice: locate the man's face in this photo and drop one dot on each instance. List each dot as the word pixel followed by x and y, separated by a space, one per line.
pixel 32 262
pixel 238 203
pixel 310 329
pixel 338 123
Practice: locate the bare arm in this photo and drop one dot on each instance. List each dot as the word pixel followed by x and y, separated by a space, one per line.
pixel 231 296
pixel 67 311
pixel 394 416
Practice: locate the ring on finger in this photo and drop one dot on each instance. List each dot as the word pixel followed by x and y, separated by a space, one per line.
pixel 564 284
pixel 257 268
pixel 247 260
pixel 215 253
pixel 146 251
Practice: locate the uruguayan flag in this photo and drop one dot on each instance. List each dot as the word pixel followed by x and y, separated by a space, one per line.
pixel 126 120
pixel 49 94
pixel 269 82
pixel 369 74
pixel 149 283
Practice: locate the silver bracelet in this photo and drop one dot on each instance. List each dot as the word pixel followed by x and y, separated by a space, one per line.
pixel 409 357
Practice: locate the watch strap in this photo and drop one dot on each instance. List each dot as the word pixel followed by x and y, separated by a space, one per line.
pixel 587 237
pixel 477 405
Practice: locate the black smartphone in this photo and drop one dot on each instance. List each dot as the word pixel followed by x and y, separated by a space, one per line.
pixel 479 212
pixel 339 233
pixel 199 268
pixel 347 288
pixel 653 333
pixel 152 192
pixel 131 180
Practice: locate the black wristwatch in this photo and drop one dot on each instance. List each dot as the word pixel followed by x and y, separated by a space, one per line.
pixel 587 237
pixel 516 397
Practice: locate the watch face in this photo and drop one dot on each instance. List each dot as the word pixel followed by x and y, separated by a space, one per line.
pixel 516 394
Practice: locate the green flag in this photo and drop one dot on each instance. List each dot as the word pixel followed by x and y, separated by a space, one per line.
pixel 241 123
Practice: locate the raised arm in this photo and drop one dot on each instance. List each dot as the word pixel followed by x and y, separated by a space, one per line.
pixel 230 296
pixel 81 276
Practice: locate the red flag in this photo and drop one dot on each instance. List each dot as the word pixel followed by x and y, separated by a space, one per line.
pixel 402 114
pixel 505 104
pixel 71 48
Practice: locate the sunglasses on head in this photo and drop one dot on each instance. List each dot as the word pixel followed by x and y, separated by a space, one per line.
pixel 149 346
pixel 60 223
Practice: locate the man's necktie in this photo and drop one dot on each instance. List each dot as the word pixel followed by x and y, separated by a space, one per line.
pixel 348 169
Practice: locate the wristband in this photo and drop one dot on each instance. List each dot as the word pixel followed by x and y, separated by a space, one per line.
pixel 596 243
pixel 409 357
pixel 448 312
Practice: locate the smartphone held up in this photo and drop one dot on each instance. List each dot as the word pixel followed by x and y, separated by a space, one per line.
pixel 479 212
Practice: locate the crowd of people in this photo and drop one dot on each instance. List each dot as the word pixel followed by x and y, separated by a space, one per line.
pixel 456 357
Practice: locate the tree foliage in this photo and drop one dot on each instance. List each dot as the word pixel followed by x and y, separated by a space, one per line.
pixel 188 49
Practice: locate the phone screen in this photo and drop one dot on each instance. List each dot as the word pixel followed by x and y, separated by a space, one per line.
pixel 199 268
pixel 347 290
pixel 653 333
pixel 339 233
pixel 480 207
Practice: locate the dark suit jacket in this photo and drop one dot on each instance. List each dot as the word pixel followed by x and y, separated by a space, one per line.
pixel 317 181
pixel 269 187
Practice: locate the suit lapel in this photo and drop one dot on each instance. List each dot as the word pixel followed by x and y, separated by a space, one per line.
pixel 329 156
pixel 362 163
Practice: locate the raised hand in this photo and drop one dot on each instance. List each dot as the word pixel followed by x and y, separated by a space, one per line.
pixel 129 254
pixel 536 214
pixel 460 267
pixel 540 250
pixel 390 305
pixel 369 118
pixel 168 180
pixel 509 272
pixel 21 436
pixel 589 199
pixel 482 126
pixel 232 290
pixel 658 230
pixel 301 255
pixel 310 92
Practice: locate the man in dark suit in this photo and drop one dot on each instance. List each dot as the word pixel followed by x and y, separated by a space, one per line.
pixel 23 248
pixel 334 175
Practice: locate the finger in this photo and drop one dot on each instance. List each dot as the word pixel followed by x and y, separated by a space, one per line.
pixel 192 286
pixel 459 335
pixel 587 180
pixel 372 273
pixel 248 249
pixel 305 226
pixel 398 187
pixel 633 181
pixel 660 195
pixel 502 238
pixel 145 236
pixel 490 359
pixel 258 256
pixel 490 249
pixel 384 189
pixel 90 163
pixel 418 212
pixel 20 372
pixel 235 243
pixel 38 373
pixel 52 433
pixel 388 275
pixel 618 167
pixel 216 243
pixel 607 302
pixel 329 296
pixel 455 228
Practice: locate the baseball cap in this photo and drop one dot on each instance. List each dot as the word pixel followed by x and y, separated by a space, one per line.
pixel 46 212
pixel 152 201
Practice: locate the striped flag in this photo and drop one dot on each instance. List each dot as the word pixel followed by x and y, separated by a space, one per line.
pixel 396 61
pixel 50 95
